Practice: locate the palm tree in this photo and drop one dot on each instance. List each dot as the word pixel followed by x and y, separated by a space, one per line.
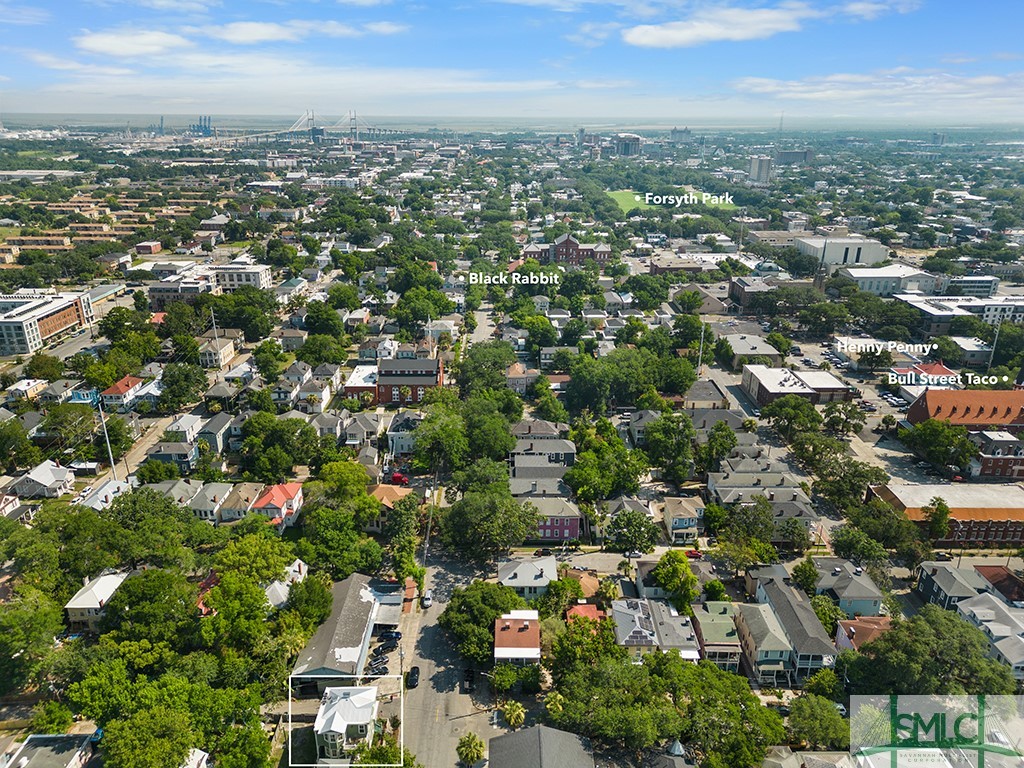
pixel 470 749
pixel 607 590
pixel 554 703
pixel 406 392
pixel 515 714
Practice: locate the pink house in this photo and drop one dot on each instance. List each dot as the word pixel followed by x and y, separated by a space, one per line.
pixel 281 503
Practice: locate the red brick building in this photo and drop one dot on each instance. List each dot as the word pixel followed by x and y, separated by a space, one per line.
pixel 406 380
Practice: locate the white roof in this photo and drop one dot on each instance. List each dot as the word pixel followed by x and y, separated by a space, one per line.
pixel 48 474
pixel 97 592
pixel 345 706
pixel 892 270
pixel 362 376
pixel 104 495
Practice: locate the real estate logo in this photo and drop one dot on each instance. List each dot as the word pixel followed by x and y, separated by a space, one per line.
pixel 939 731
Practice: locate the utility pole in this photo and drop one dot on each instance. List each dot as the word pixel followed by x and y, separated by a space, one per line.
pixel 106 438
pixel 995 341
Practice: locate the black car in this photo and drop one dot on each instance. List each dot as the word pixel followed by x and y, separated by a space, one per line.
pixel 542 553
pixel 379 671
pixel 469 680
pixel 391 634
pixel 382 650
pixel 412 677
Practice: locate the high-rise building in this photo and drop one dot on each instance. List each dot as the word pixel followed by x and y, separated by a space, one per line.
pixel 760 169
pixel 29 319
pixel 627 145
pixel 794 156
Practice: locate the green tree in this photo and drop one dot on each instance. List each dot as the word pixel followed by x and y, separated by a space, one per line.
pixel 937 514
pixel 50 717
pixel 669 445
pixel 259 558
pixel 311 599
pixel 794 534
pixel 154 606
pixel 268 357
pixel 514 713
pixel 561 594
pixel 150 738
pixel 825 683
pixel 721 440
pixel 16 449
pixel 441 440
pixel 806 576
pixel 153 471
pixel 484 366
pixel 69 423
pixel 714 591
pixel 119 435
pixel 791 415
pixel 673 574
pixel 844 418
pixel 752 521
pixel 940 442
pixel 470 749
pixel 186 349
pixel 471 613
pixel 816 720
pixel 28 624
pixel 828 613
pixel 632 531
pixel 489 522
pixel 504 678
pixel 852 543
pixel 43 366
pixel 824 319
pixel 183 383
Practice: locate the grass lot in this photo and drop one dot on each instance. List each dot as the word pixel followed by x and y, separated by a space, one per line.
pixel 626 199
pixel 6 232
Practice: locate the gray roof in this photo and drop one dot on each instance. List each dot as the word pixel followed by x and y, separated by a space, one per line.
pixel 217 424
pixel 634 623
pixel 705 389
pixel 555 506
pixel 40 751
pixel 180 491
pixel 847 584
pixel 798 619
pixel 535 572
pixel 765 627
pixel 523 486
pixel 539 747
pixel 210 495
pixel 706 418
pixel 337 644
pixel 544 446
pixel 954 582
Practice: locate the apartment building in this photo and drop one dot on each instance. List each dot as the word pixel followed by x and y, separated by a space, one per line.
pixel 30 319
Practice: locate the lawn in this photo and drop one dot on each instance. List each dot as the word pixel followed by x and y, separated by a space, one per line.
pixel 627 201
pixel 6 232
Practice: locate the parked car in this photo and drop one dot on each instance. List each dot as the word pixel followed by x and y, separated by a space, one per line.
pixel 397 478
pixel 943 557
pixel 542 552
pixel 695 554
pixel 412 677
pixel 391 634
pixel 469 680
pixel 381 651
pixel 380 671
pixel 428 598
pixel 840 708
pixel 634 555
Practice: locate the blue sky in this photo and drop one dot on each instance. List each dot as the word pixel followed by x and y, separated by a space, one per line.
pixel 675 60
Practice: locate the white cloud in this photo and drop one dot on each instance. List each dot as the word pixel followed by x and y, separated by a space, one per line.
pixel 385 27
pixel 591 34
pixel 631 8
pixel 22 14
pixel 872 9
pixel 723 23
pixel 903 89
pixel 257 32
pixel 49 61
pixel 127 42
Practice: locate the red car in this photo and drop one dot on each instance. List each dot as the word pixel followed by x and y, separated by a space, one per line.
pixel 399 479
pixel 694 554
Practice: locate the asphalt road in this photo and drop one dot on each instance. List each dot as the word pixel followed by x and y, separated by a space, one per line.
pixel 437 712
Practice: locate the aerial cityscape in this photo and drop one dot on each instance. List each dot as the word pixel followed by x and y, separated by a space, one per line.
pixel 523 384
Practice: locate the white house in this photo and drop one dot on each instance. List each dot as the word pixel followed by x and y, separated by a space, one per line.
pixel 86 608
pixel 345 720
pixel 47 480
